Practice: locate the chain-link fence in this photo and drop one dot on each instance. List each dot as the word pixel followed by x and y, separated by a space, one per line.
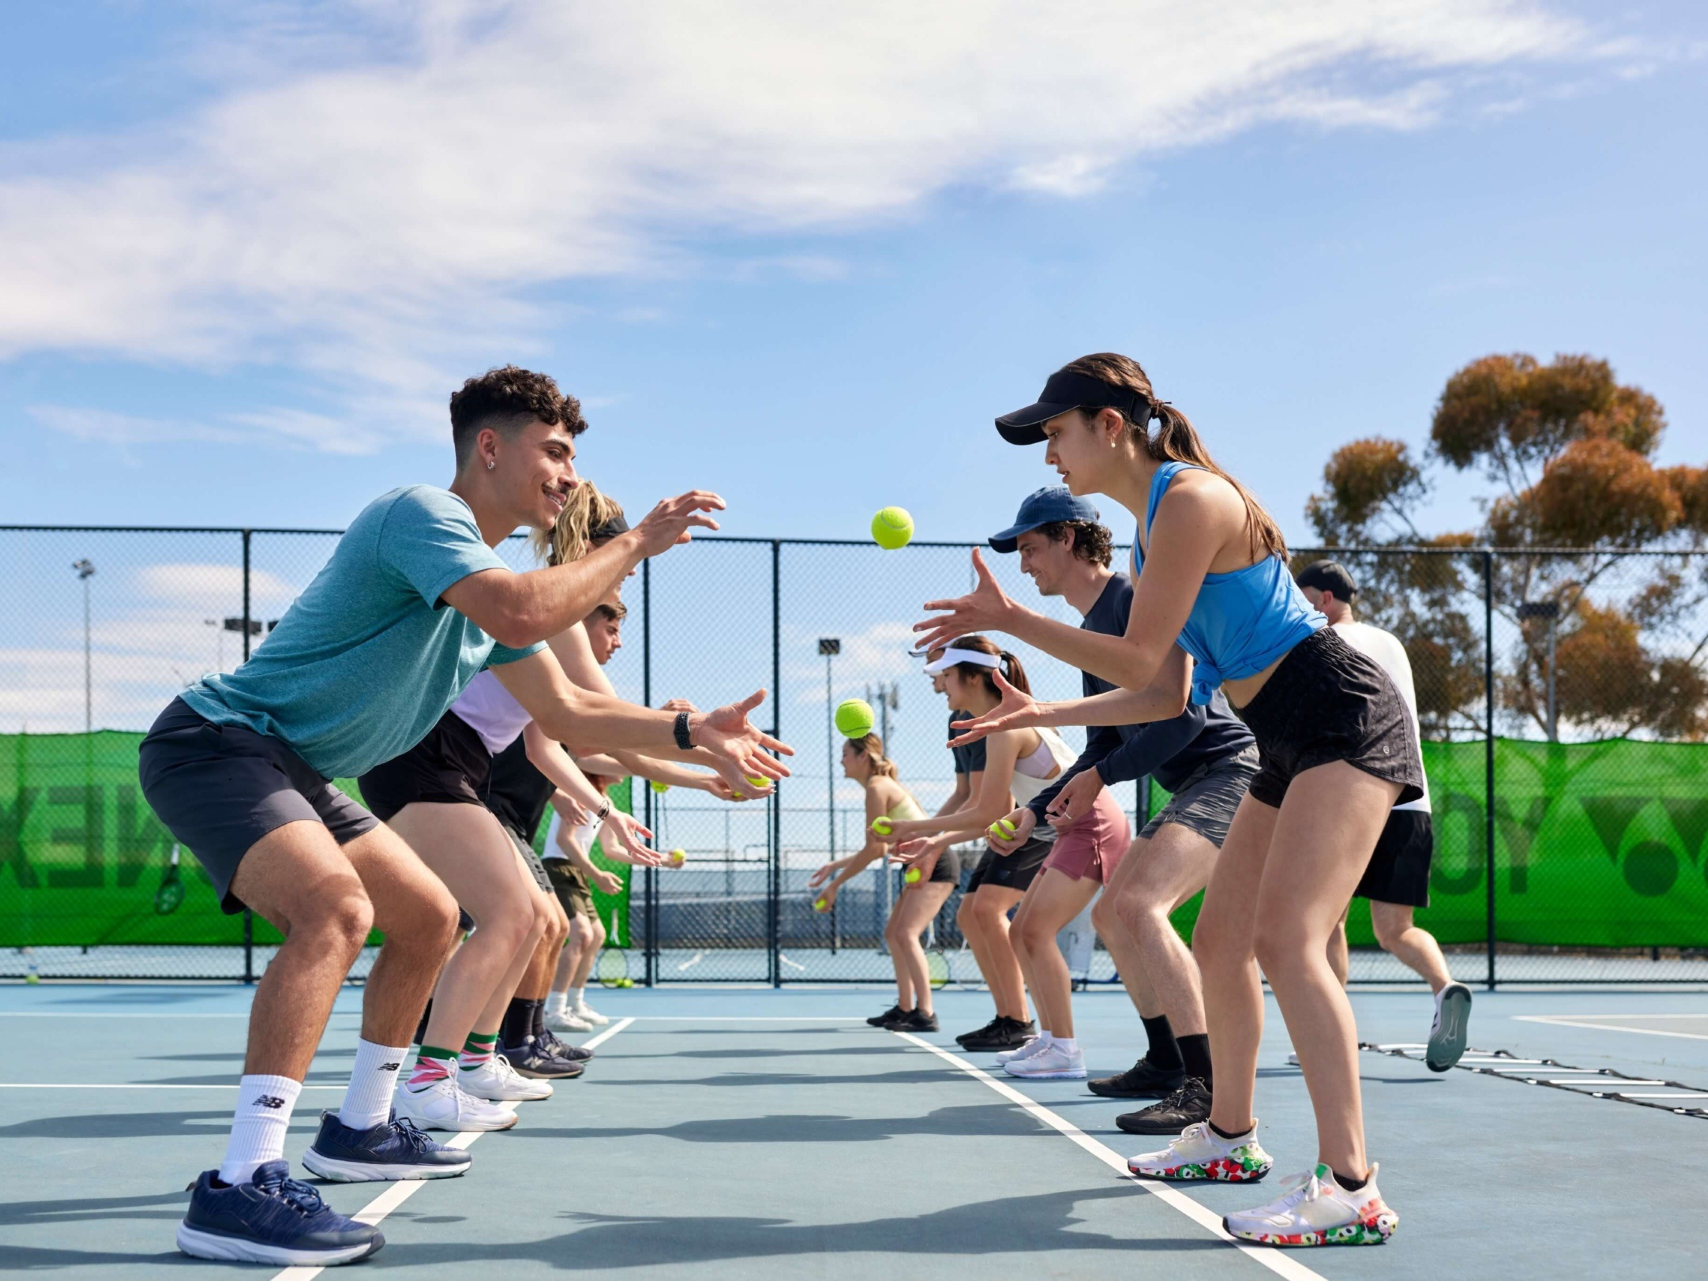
pixel 1563 698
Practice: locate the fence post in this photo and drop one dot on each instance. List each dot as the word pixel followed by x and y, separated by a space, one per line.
pixel 248 916
pixel 649 918
pixel 775 835
pixel 1489 752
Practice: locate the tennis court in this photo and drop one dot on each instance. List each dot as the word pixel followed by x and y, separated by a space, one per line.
pixel 738 1133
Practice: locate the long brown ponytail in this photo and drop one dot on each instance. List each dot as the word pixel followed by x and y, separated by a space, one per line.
pixel 872 748
pixel 1176 440
pixel 1012 672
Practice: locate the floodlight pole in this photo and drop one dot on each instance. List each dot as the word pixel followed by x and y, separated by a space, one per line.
pixel 85 570
pixel 830 647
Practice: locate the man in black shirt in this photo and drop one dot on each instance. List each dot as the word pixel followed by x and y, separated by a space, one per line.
pixel 1205 757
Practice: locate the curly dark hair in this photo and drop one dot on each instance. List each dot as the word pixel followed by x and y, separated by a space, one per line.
pixel 1091 541
pixel 505 399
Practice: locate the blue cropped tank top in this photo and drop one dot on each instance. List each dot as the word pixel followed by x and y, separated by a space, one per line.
pixel 1242 621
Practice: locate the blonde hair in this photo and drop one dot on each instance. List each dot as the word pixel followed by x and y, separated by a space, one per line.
pixel 872 748
pixel 586 509
pixel 1175 439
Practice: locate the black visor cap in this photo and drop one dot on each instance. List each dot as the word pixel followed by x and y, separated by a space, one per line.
pixel 1067 391
pixel 609 530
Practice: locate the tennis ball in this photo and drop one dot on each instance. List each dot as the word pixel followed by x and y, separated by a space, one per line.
pixel 892 528
pixel 854 718
pixel 819 905
pixel 757 782
pixel 912 876
pixel 1003 829
pixel 678 857
pixel 32 978
pixel 881 825
pixel 658 787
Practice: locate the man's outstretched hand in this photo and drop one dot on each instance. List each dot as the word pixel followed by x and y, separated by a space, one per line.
pixel 740 746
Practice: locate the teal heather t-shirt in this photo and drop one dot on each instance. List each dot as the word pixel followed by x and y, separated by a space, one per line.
pixel 367 660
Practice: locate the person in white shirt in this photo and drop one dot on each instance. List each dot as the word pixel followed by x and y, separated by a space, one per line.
pixel 1397 879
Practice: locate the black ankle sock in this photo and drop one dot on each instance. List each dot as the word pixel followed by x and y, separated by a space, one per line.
pixel 1164 1051
pixel 421 1029
pixel 518 1023
pixel 1195 1054
pixel 1350 1185
pixel 1218 1130
pixel 537 1020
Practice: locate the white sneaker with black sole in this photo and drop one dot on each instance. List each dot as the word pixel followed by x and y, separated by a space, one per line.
pixel 443 1105
pixel 1052 1063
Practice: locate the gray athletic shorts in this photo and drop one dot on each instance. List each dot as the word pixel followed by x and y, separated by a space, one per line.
pixel 221 788
pixel 537 868
pixel 1208 799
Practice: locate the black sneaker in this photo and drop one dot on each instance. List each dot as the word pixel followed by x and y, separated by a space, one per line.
pixel 888 1017
pixel 557 1049
pixel 1144 1080
pixel 393 1151
pixel 273 1219
pixel 1188 1105
pixel 979 1033
pixel 914 1021
pixel 1004 1034
pixel 529 1060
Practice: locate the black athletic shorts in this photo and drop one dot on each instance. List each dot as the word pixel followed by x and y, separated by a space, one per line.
pixel 1328 702
pixel 1014 871
pixel 450 766
pixel 946 872
pixel 1399 869
pixel 220 788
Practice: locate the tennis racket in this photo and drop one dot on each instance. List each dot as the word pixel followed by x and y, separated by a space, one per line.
pixel 612 969
pixel 171 891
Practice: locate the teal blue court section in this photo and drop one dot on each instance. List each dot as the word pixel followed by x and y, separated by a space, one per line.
pixel 747 1134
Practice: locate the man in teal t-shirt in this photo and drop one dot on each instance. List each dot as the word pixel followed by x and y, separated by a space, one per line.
pixel 413 603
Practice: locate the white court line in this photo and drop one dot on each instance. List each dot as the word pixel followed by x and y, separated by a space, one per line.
pixel 134 1085
pixel 1558 1020
pixel 1269 1256
pixel 1624 1095
pixel 397 1193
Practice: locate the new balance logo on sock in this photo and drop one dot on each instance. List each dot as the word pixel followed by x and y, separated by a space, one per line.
pixel 390 1067
pixel 269 1101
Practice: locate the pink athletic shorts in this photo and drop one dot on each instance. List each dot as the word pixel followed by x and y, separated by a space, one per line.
pixel 1094 845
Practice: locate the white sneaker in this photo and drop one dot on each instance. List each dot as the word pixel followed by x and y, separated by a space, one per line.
pixel 498 1082
pixel 443 1106
pixel 568 1021
pixel 1026 1051
pixel 589 1014
pixel 1200 1155
pixel 1052 1063
pixel 1315 1210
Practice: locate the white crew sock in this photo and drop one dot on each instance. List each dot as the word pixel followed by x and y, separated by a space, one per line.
pixel 577 997
pixel 556 1003
pixel 367 1101
pixel 1044 1038
pixel 264 1106
pixel 1067 1044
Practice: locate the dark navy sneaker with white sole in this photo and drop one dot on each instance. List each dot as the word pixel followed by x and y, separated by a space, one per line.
pixel 550 1045
pixel 273 1219
pixel 531 1060
pixel 391 1152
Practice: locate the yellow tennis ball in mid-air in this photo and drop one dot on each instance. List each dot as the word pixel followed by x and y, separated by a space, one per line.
pixel 912 876
pixel 658 787
pixel 854 718
pixel 881 825
pixel 819 905
pixel 892 528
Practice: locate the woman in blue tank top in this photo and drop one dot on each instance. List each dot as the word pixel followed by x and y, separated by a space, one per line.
pixel 1214 606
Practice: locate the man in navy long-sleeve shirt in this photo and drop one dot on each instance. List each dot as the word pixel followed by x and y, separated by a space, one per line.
pixel 1204 757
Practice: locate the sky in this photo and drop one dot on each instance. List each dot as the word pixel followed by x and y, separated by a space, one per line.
pixel 802 256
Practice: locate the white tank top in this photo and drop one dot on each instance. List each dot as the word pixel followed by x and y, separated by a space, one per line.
pixel 583 836
pixel 1032 774
pixel 491 712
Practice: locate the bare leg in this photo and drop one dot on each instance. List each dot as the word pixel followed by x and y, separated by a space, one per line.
pixel 1053 900
pixel 570 958
pixel 1321 843
pixel 491 1018
pixel 595 940
pixel 1159 874
pixel 990 905
pixel 1416 948
pixel 1339 959
pixel 913 912
pixel 477 861
pixel 1124 949
pixel 537 982
pixel 971 924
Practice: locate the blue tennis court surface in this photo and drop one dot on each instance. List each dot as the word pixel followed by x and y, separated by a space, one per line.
pixel 732 1133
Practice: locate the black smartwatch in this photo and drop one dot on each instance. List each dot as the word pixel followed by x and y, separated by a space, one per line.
pixel 682 739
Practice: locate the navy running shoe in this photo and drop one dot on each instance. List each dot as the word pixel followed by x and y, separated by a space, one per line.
pixel 562 1050
pixel 273 1219
pixel 531 1060
pixel 393 1151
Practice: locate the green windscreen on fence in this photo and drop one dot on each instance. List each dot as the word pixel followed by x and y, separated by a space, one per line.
pixel 1596 844
pixel 84 862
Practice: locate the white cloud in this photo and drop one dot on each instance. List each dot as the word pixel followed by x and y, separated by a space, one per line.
pixel 375 191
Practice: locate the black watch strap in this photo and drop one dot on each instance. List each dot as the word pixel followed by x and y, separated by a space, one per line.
pixel 682 739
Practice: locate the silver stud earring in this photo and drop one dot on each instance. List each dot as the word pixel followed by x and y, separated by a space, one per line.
pixel 490 464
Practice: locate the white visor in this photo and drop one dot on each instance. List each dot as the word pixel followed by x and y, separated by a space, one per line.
pixel 949 657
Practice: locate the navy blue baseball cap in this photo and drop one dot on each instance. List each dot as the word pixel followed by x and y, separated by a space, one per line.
pixel 1044 507
pixel 1065 391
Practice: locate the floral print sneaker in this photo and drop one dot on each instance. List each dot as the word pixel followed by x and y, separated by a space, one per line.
pixel 1200 1155
pixel 1315 1210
